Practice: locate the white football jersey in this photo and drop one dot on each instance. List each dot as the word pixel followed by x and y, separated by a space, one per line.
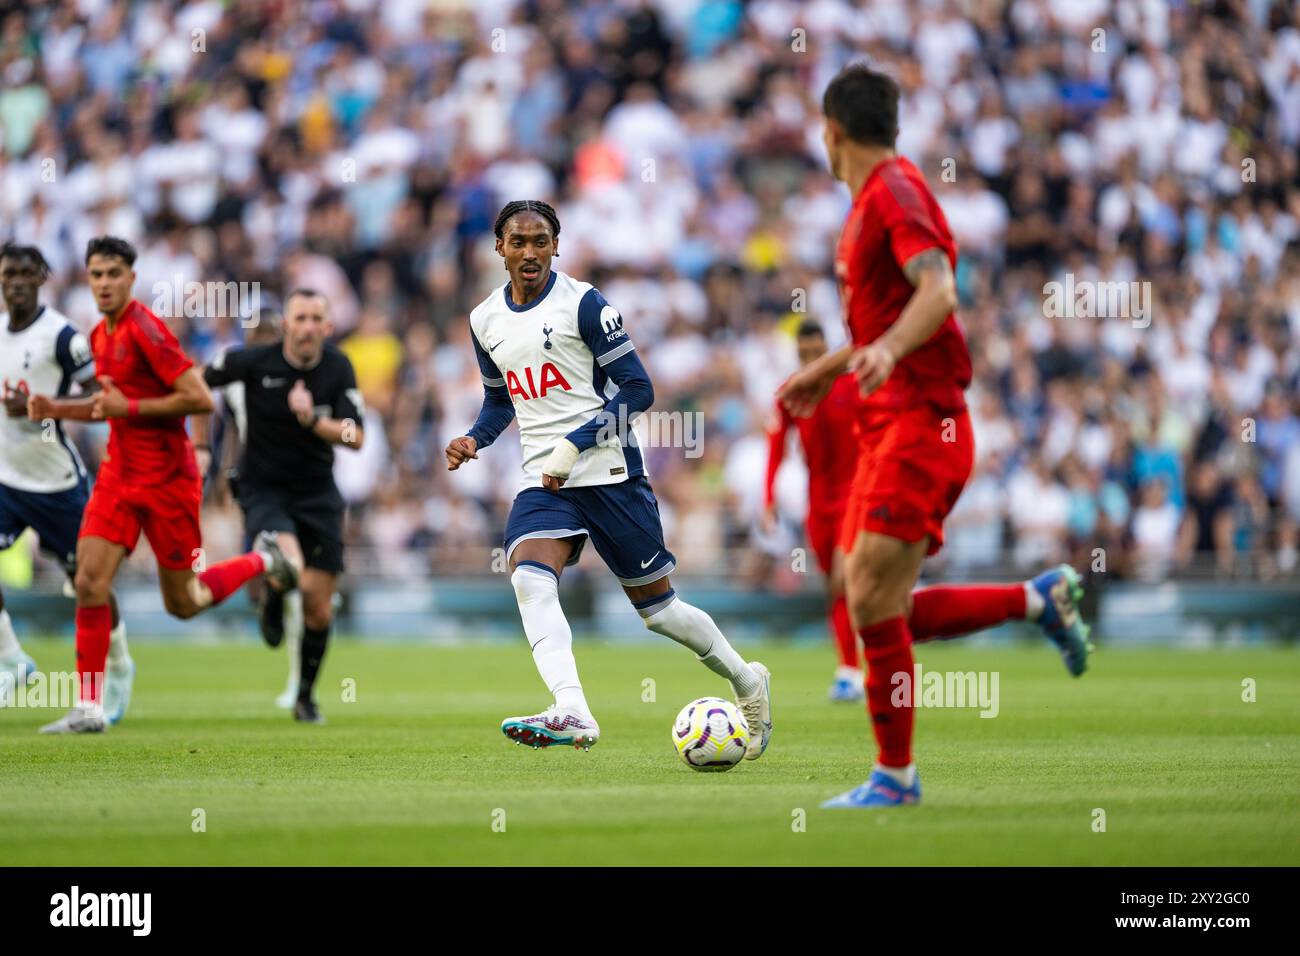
pixel 550 355
pixel 48 357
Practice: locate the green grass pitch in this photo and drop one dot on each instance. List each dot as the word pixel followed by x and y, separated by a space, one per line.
pixel 415 771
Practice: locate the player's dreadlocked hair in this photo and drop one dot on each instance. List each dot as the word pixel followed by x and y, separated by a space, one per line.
pixel 11 250
pixel 543 209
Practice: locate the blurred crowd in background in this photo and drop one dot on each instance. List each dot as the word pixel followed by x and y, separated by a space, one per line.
pixel 364 147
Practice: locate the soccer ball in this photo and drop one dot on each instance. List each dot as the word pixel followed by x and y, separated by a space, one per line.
pixel 710 734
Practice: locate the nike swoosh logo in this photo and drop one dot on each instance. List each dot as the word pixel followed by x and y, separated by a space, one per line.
pixel 493 348
pixel 268 382
pixel 645 564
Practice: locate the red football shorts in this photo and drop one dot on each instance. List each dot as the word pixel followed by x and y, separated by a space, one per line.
pixel 823 530
pixel 167 514
pixel 912 466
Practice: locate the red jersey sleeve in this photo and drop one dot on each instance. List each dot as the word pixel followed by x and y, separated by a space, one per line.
pixel 907 220
pixel 779 425
pixel 160 347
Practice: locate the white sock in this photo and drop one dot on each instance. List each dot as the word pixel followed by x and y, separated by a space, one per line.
pixel 1034 605
pixel 691 627
pixel 849 673
pixel 9 646
pixel 538 592
pixel 903 776
pixel 293 624
pixel 118 652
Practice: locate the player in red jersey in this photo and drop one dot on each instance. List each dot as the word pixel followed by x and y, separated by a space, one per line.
pixel 895 264
pixel 148 480
pixel 831 463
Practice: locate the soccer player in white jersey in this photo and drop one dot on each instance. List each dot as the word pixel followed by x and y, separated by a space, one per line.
pixel 555 354
pixel 43 484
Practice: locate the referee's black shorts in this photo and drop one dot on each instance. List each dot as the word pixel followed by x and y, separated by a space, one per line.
pixel 315 518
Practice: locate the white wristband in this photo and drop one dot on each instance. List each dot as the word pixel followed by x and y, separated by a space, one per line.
pixel 562 459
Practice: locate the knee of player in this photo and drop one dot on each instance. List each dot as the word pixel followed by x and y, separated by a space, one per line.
pixel 319 620
pixel 872 600
pixel 180 606
pixel 533 582
pixel 317 611
pixel 871 608
pixel 664 614
pixel 92 589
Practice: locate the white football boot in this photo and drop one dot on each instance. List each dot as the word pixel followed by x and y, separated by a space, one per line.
pixel 82 719
pixel 553 726
pixel 758 713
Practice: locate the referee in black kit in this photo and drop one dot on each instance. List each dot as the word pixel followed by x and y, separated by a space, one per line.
pixel 301 400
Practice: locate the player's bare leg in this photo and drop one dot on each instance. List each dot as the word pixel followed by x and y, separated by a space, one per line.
pixel 97 562
pixel 849 678
pixel 880 573
pixel 183 594
pixel 317 589
pixel 665 613
pixel 535 568
pixel 186 592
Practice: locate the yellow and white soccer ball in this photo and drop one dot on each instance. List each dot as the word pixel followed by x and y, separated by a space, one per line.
pixel 710 734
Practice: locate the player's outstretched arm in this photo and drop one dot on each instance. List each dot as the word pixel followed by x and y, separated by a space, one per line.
pixel 803 390
pixel 42 407
pixel 776 433
pixel 189 396
pixel 494 417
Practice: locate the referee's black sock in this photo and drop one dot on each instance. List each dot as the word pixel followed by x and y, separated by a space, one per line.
pixel 311 655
